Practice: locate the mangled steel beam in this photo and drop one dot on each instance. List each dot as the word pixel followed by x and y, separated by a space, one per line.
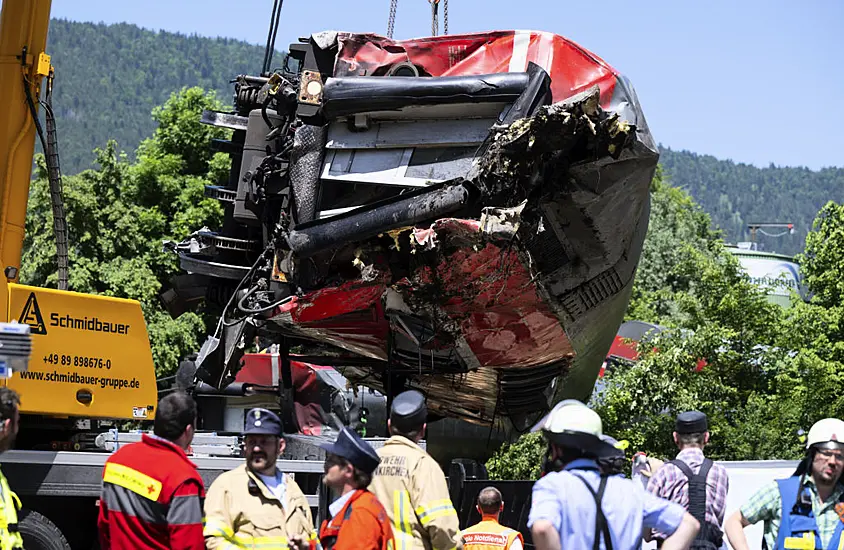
pixel 372 220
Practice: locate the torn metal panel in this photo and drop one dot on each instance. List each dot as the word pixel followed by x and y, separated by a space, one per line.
pixel 572 67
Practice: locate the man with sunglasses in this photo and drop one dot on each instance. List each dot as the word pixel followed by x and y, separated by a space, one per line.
pixel 802 512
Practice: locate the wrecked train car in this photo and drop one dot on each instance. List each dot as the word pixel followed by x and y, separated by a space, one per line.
pixel 459 214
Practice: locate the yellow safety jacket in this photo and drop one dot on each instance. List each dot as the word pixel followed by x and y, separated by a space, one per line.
pixel 488 534
pixel 237 517
pixel 10 539
pixel 412 488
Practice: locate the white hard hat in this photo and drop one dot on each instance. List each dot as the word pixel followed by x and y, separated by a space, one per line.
pixel 571 415
pixel 828 430
pixel 572 424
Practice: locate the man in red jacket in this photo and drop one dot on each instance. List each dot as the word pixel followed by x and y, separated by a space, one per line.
pixel 152 494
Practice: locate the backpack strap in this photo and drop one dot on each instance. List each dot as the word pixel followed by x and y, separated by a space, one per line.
pixel 601 525
pixel 697 491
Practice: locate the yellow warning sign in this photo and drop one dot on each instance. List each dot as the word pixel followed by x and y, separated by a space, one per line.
pixel 31 315
pixel 90 355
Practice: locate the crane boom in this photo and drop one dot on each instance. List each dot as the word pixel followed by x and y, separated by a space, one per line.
pixel 90 354
pixel 23 38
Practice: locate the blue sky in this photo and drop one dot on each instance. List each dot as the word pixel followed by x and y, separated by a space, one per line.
pixel 754 81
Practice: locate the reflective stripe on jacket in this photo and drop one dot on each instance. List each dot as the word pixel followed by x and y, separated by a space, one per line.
pixel 361 524
pixel 152 498
pixel 10 539
pixel 798 528
pixel 237 518
pixel 412 488
pixel 488 534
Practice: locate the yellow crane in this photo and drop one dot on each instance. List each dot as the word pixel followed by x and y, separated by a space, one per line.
pixel 92 353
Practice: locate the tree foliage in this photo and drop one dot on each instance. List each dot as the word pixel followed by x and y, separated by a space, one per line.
pixel 822 263
pixel 521 459
pixel 119 213
pixel 676 223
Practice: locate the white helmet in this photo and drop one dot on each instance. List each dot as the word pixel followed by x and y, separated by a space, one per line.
pixel 826 433
pixel 571 415
pixel 572 424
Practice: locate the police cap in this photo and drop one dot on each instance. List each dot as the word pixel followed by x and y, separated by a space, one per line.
pixel 408 411
pixel 691 422
pixel 262 421
pixel 352 447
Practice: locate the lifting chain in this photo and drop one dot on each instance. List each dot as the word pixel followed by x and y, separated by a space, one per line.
pixel 391 22
pixel 435 18
pixel 435 23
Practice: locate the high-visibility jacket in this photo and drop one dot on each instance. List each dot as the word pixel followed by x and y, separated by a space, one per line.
pixel 9 506
pixel 361 524
pixel 152 498
pixel 488 534
pixel 798 528
pixel 241 512
pixel 412 488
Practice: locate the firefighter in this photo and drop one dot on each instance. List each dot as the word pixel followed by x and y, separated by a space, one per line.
pixel 489 534
pixel 152 493
pixel 358 520
pixel 256 505
pixel 577 506
pixel 10 538
pixel 804 510
pixel 411 485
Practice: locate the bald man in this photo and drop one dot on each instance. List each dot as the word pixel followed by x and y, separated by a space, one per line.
pixel 489 533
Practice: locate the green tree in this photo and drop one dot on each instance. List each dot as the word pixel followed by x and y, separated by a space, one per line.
pixel 676 221
pixel 769 372
pixel 821 263
pixel 815 330
pixel 120 213
pixel 521 459
pixel 721 319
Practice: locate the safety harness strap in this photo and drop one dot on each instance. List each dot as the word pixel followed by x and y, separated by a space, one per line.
pixel 697 490
pixel 601 525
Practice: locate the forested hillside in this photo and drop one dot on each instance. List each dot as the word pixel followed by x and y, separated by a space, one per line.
pixel 737 194
pixel 109 78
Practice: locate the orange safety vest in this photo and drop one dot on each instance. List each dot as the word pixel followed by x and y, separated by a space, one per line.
pixel 350 528
pixel 489 535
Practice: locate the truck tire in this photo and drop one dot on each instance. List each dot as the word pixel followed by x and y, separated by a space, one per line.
pixel 39 533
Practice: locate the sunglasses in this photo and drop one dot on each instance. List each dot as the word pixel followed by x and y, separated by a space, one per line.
pixel 828 453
